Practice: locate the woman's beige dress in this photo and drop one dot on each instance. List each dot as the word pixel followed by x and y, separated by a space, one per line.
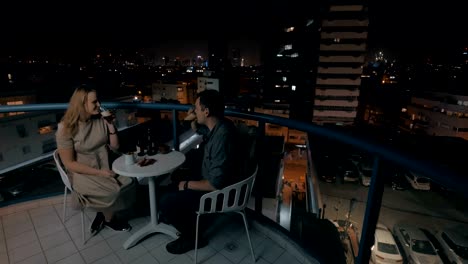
pixel 91 191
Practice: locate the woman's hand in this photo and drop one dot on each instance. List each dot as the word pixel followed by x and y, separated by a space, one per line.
pixel 107 173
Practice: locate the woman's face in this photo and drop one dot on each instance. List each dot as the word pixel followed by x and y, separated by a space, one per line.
pixel 92 104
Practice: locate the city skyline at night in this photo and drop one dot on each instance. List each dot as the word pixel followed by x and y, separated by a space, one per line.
pixel 411 31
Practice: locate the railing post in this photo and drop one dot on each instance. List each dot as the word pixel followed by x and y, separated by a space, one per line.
pixel 175 122
pixel 374 201
pixel 260 180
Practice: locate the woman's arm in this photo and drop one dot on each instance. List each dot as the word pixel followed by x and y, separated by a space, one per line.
pixel 112 131
pixel 113 138
pixel 68 159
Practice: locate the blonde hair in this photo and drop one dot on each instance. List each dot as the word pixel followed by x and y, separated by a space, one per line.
pixel 75 110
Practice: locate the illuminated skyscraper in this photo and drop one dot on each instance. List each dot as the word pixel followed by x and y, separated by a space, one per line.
pixel 343 44
pixel 290 56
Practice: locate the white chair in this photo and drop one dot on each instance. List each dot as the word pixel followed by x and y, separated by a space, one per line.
pixel 230 197
pixel 68 186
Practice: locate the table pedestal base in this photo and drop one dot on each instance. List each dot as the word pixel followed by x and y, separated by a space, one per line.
pixel 149 229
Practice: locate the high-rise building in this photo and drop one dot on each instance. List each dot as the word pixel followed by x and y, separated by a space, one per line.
pixel 236 58
pixel 343 44
pixel 290 60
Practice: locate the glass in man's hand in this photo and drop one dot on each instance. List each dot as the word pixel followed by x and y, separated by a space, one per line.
pixel 190 115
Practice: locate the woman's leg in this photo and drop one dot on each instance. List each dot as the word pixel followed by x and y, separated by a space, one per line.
pixel 108 215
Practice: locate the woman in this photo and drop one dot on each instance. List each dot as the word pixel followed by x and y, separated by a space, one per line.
pixel 83 138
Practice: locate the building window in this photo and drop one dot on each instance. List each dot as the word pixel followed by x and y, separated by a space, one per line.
pixel 289 29
pixel 49 145
pixel 15 103
pixel 26 149
pixel 21 130
pixel 288 47
pixel 45 127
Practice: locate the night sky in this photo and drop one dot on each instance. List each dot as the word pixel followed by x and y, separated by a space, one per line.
pixel 183 27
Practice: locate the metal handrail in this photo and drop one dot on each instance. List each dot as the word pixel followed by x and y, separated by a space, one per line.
pixel 437 173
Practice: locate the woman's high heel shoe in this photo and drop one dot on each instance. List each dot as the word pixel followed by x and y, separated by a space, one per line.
pixel 118 225
pixel 98 223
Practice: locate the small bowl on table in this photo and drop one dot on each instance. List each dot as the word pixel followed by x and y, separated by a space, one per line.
pixel 164 149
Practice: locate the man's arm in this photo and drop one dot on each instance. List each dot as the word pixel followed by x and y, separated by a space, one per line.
pixel 203 185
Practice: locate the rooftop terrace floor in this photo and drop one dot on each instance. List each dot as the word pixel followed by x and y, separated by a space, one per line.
pixel 34 232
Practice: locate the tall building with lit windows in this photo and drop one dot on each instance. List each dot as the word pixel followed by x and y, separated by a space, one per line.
pixel 290 60
pixel 343 44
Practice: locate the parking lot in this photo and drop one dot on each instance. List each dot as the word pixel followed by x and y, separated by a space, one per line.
pixel 426 209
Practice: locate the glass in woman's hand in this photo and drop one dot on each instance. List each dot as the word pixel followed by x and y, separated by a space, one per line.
pixel 107 114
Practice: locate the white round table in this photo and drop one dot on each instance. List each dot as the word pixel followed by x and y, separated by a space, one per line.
pixel 165 163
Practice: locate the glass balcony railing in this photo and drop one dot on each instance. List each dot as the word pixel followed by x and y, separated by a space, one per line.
pixel 308 175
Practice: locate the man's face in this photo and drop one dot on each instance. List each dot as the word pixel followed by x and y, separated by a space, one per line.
pixel 200 112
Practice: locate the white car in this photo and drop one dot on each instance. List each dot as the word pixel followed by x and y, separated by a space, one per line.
pixel 385 249
pixel 416 245
pixel 417 181
pixel 365 172
pixel 454 242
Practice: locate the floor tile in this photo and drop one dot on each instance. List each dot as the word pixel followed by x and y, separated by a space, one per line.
pixel 269 250
pixel 36 233
pixel 145 259
pixel 21 239
pixel 131 254
pixel 36 259
pixel 60 252
pixel 24 252
pixel 287 258
pixel 73 259
pixel 109 259
pixel 54 240
pixel 96 252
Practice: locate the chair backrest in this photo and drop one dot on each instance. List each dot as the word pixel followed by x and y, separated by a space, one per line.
pixel 61 170
pixel 231 198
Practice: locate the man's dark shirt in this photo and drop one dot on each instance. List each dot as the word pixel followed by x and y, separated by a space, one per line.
pixel 219 165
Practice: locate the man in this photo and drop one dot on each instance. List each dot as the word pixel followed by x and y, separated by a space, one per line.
pixel 218 169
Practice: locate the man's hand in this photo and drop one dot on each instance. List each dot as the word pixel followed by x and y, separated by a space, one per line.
pixel 190 115
pixel 181 185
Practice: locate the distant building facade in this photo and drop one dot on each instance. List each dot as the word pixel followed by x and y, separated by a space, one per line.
pixel 30 137
pixel 209 83
pixel 342 54
pixel 437 114
pixel 291 56
pixel 170 91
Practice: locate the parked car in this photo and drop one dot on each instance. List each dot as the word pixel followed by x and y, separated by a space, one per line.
pixel 398 181
pixel 416 245
pixel 417 181
pixel 385 249
pixel 365 172
pixel 326 169
pixel 348 171
pixel 454 242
